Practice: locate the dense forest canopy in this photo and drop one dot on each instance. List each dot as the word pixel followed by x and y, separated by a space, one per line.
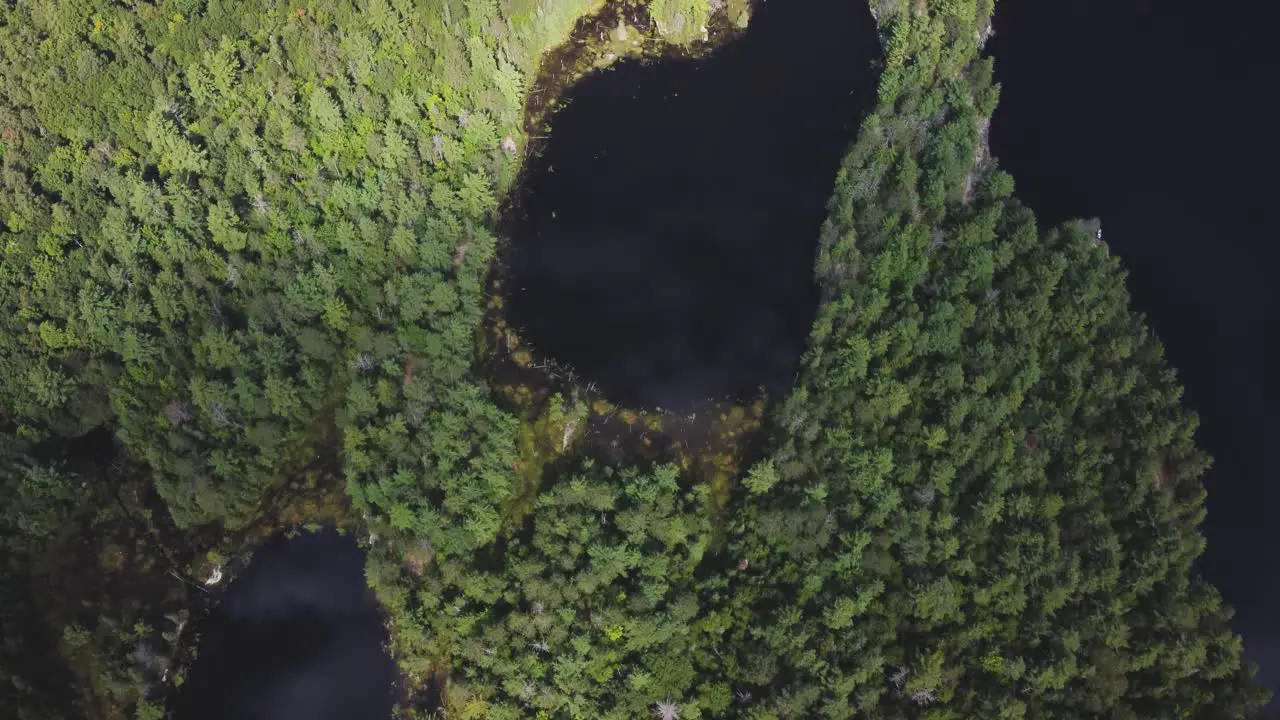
pixel 249 241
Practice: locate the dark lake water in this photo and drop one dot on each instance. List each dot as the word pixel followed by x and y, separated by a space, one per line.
pixel 297 636
pixel 1149 115
pixel 666 245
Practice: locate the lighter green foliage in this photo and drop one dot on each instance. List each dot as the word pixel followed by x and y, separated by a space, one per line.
pixel 680 20
pixel 324 111
pixel 224 227
pixel 761 478
pixel 175 154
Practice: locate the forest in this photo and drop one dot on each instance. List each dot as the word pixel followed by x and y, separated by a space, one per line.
pixel 245 267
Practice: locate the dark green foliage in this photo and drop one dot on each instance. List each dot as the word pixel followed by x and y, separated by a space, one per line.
pixel 590 612
pixel 37 502
pixel 987 496
pixel 986 480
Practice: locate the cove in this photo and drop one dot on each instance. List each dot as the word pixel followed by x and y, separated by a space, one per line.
pixel 296 636
pixel 663 240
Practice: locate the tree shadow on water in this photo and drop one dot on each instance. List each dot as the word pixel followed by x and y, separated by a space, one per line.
pixel 297 635
pixel 665 246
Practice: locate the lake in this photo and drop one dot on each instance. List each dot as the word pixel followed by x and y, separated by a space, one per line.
pixel 296 636
pixel 665 236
